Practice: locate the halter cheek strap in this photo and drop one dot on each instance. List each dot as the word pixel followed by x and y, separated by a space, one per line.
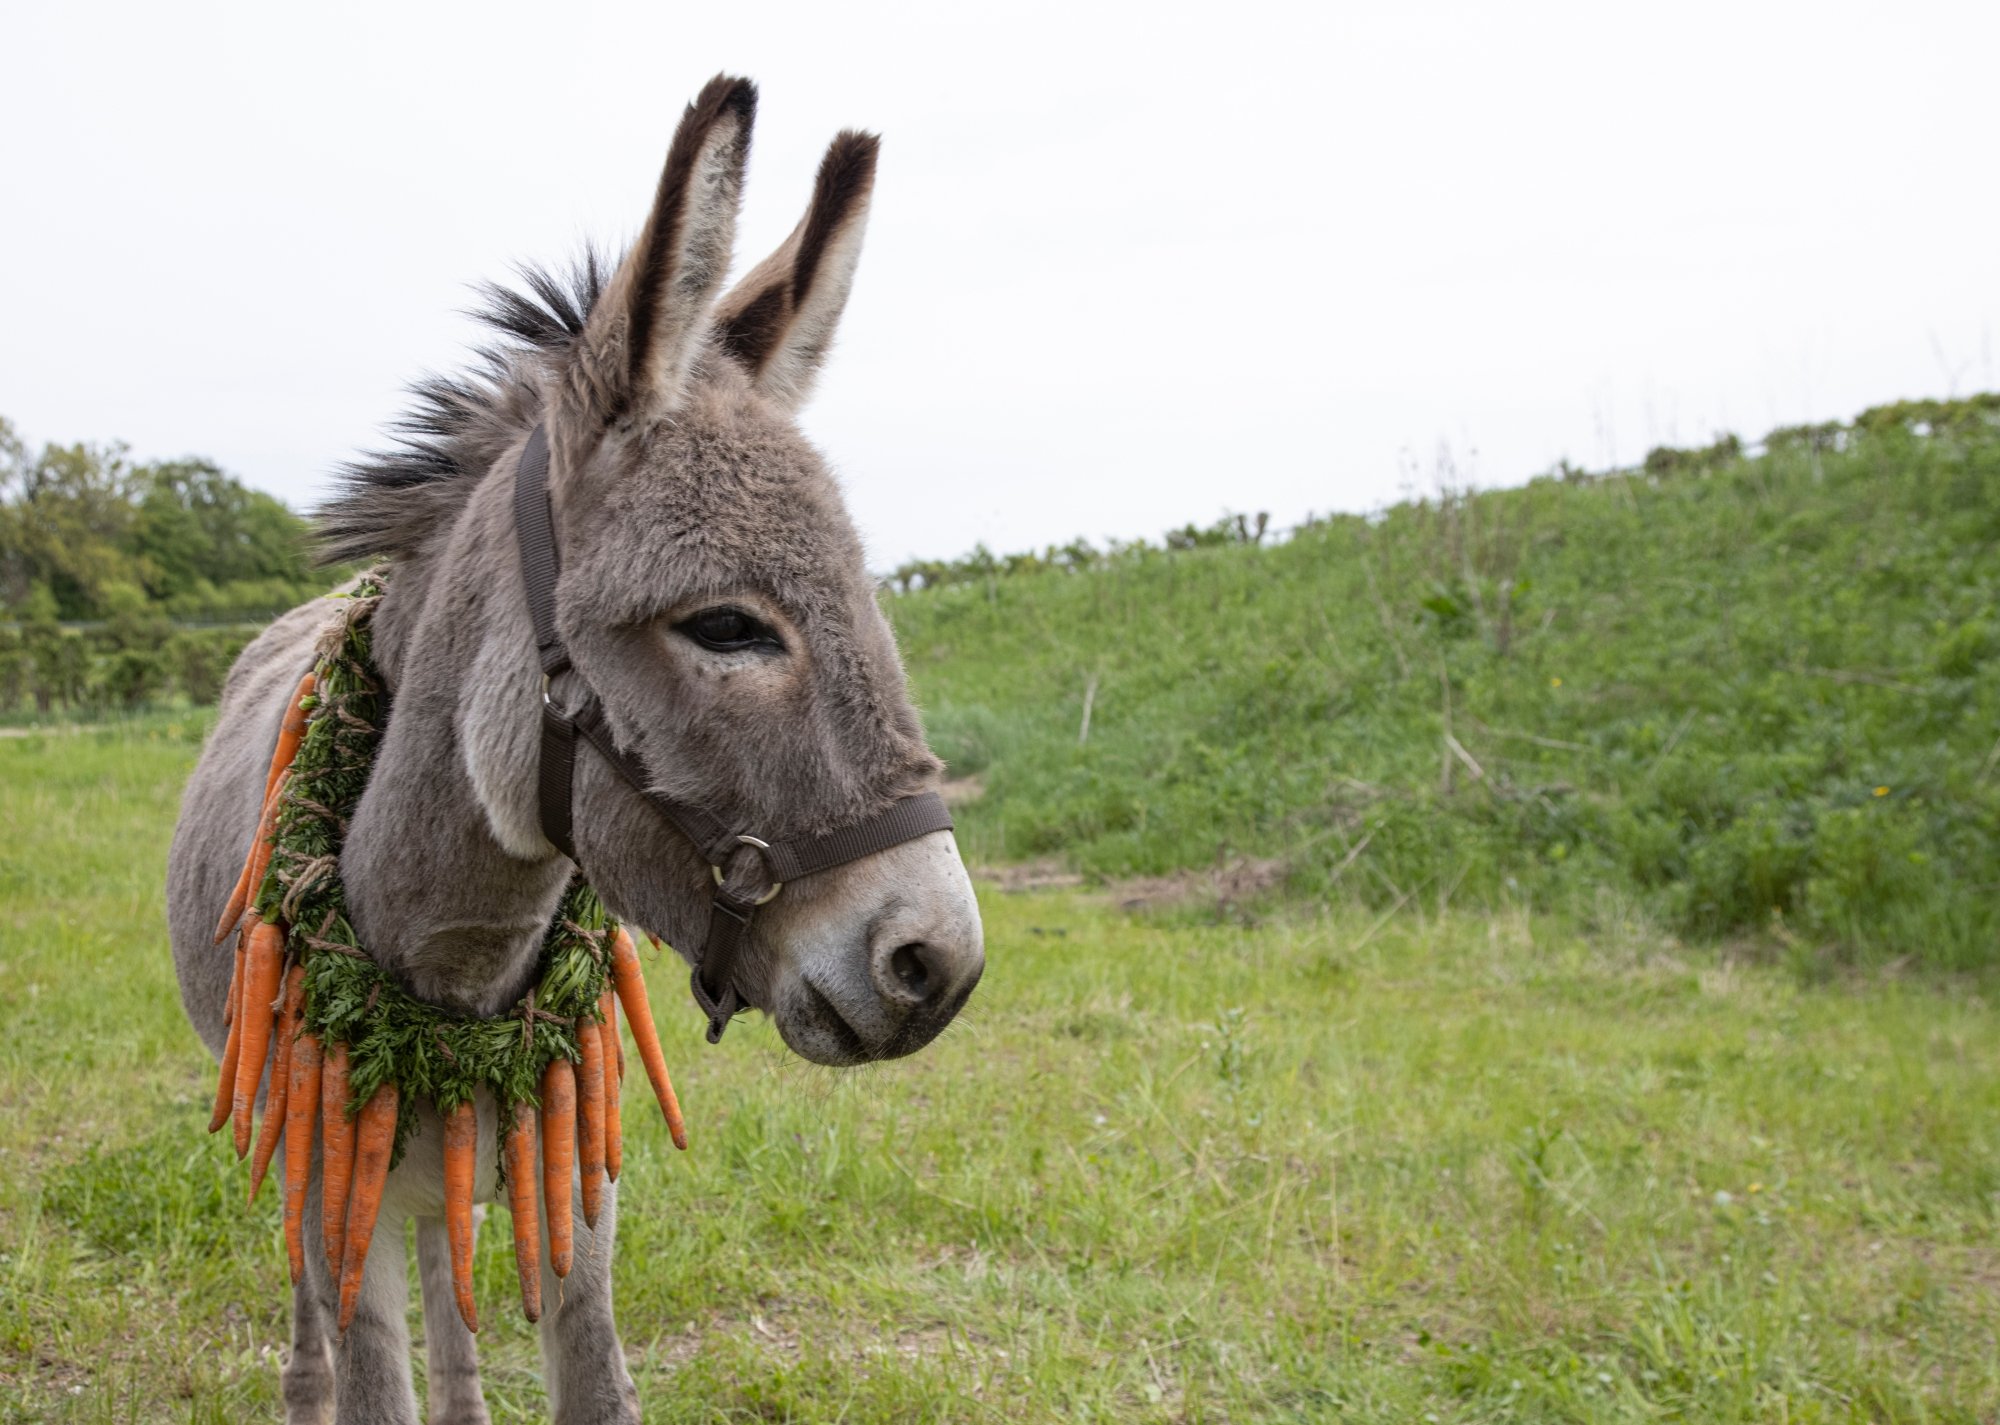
pixel 731 908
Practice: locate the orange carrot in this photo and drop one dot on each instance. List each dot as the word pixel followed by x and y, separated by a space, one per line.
pixel 279 1095
pixel 243 900
pixel 521 1202
pixel 607 1005
pixel 232 913
pixel 336 1154
pixel 614 1129
pixel 239 898
pixel 590 1078
pixel 631 983
pixel 225 1084
pixel 461 1150
pixel 292 730
pixel 558 1157
pixel 301 1119
pixel 260 852
pixel 290 733
pixel 375 1138
pixel 261 973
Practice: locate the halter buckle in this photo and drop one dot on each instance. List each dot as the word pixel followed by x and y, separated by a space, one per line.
pixel 762 846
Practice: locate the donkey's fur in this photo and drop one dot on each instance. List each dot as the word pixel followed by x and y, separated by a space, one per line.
pixel 680 488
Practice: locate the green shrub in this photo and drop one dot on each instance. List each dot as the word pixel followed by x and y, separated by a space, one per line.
pixel 1742 875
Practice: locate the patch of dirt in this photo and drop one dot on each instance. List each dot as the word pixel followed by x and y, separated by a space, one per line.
pixel 1226 884
pixel 1044 874
pixel 1231 882
pixel 958 791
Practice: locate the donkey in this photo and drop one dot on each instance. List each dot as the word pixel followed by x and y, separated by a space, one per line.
pixel 714 596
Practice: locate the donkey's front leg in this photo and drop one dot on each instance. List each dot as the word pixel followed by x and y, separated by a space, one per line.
pixel 307 1379
pixel 582 1361
pixel 453 1377
pixel 371 1361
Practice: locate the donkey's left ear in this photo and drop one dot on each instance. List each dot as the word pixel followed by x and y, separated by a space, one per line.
pixel 779 320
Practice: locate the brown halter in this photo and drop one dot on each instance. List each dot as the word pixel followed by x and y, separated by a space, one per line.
pixel 713 980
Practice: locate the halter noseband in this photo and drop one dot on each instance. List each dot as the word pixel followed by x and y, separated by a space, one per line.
pixel 713 980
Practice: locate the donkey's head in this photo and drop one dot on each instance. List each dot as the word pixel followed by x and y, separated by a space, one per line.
pixel 714 596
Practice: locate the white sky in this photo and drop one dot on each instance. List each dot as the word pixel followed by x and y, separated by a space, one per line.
pixel 1129 265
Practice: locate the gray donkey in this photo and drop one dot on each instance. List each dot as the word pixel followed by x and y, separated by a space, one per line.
pixel 713 594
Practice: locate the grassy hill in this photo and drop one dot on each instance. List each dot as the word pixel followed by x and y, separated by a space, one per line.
pixel 1746 693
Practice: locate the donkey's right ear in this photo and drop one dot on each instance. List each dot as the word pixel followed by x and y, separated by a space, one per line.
pixel 645 328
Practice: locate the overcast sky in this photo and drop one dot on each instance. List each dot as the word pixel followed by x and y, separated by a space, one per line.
pixel 1129 265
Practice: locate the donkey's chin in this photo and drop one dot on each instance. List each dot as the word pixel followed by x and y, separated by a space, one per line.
pixel 827 1026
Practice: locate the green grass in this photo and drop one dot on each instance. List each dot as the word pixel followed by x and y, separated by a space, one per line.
pixel 1481 1166
pixel 1761 696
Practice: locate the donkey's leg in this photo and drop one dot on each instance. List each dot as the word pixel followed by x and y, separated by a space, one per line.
pixel 308 1374
pixel 582 1360
pixel 371 1361
pixel 307 1378
pixel 454 1394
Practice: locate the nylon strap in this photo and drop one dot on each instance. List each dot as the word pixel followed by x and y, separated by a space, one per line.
pixel 730 911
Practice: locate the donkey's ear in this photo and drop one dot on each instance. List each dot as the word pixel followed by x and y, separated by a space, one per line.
pixel 644 330
pixel 779 320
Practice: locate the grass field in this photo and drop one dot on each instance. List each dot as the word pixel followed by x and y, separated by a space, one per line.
pixel 1425 1165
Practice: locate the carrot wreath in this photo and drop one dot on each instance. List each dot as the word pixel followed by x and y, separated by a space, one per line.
pixel 352 1055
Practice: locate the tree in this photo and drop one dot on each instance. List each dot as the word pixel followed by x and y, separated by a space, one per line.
pixel 65 520
pixel 192 523
pixel 77 519
pixel 58 664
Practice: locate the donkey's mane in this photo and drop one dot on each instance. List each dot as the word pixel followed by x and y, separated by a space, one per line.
pixel 390 501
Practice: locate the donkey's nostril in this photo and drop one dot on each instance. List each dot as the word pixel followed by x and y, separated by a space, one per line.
pixel 917 969
pixel 907 964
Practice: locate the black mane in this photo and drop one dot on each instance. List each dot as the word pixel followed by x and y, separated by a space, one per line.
pixel 390 500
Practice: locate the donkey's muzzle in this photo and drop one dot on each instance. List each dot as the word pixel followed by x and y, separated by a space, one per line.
pixel 892 987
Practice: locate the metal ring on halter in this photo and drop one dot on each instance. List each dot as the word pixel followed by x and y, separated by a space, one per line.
pixel 776 886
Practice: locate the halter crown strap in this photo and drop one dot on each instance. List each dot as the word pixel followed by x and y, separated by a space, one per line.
pixel 730 910
pixel 540 566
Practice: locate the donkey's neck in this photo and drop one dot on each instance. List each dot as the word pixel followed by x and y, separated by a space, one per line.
pixel 449 882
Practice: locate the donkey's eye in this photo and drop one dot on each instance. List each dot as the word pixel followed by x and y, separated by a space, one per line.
pixel 730 631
